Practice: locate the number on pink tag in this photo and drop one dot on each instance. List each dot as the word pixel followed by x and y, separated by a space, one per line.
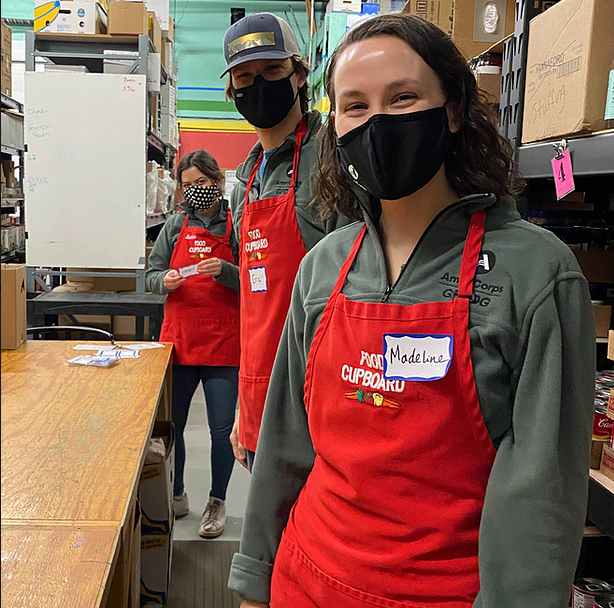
pixel 563 175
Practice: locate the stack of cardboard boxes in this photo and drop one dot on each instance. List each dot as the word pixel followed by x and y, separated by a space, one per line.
pixel 156 500
pixel 7 42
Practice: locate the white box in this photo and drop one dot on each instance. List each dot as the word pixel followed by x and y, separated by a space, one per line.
pixel 344 6
pixel 168 128
pixel 72 17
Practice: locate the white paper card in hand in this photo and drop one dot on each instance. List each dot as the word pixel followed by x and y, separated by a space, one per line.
pixel 93 347
pixel 119 354
pixel 188 271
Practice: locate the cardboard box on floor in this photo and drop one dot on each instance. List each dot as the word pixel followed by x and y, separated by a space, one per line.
pixel 156 559
pixel 439 12
pixel 13 311
pixel 156 485
pixel 570 55
pixel 478 24
pixel 124 328
pixel 128 18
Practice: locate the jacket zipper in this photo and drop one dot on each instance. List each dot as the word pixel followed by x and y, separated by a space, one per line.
pixel 390 288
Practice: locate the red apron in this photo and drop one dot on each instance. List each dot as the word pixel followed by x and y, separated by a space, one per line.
pixel 391 511
pixel 271 249
pixel 201 318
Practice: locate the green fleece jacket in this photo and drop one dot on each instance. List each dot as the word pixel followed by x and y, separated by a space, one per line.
pixel 160 256
pixel 533 350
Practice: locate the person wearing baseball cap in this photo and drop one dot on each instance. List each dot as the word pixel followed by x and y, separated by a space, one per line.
pixel 274 224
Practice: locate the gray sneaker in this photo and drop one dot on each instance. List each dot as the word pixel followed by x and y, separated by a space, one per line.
pixel 181 506
pixel 213 521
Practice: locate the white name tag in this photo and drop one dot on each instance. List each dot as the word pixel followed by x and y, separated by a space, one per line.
pixel 188 271
pixel 257 277
pixel 416 357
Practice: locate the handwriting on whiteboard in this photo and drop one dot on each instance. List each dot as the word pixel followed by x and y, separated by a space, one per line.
pixel 39 130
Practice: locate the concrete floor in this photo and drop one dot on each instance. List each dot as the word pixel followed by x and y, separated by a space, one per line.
pixel 200 569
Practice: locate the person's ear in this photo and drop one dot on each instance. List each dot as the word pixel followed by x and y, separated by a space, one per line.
pixel 452 111
pixel 301 76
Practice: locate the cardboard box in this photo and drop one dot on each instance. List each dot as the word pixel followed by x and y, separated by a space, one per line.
pixel 607 462
pixel 167 53
pixel 156 557
pixel 7 41
pixel 13 311
pixel 611 345
pixel 98 321
pixel 74 286
pixel 156 486
pixel 6 77
pixel 570 55
pixel 169 32
pixel 478 24
pixel 596 451
pixel 490 84
pixel 70 17
pixel 597 266
pixel 124 328
pixel 155 32
pixel 603 316
pixel 439 12
pixel 128 18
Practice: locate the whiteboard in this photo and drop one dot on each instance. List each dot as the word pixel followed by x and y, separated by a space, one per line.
pixel 85 169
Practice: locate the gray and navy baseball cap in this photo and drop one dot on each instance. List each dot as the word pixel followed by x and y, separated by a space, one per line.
pixel 259 36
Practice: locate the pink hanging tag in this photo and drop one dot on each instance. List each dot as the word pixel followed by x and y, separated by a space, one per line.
pixel 563 174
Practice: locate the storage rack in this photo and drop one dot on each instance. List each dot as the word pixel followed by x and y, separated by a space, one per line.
pixel 593 166
pixel 12 145
pixel 89 50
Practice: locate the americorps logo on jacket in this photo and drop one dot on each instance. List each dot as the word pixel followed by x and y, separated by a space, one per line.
pixel 487 262
pixel 485 291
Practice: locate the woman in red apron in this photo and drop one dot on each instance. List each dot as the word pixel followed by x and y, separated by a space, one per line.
pixel 201 319
pixel 412 433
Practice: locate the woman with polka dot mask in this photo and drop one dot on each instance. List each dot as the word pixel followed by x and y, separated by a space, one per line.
pixel 192 262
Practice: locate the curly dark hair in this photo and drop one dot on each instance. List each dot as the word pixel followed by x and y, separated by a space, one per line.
pixel 479 159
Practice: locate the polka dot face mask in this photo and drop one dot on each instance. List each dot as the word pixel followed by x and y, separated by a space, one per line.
pixel 202 197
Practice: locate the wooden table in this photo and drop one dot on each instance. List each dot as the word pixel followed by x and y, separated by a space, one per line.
pixel 73 444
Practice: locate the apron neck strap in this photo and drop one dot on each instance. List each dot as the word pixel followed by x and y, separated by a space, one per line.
pixel 471 254
pixel 345 269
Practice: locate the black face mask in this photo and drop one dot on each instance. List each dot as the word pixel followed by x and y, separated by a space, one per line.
pixel 265 103
pixel 394 155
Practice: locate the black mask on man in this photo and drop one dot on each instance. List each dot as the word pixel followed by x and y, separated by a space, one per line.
pixel 265 103
pixel 394 155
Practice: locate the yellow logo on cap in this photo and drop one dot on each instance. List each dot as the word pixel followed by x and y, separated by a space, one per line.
pixel 250 41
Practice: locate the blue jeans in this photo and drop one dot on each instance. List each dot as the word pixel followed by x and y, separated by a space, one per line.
pixel 221 388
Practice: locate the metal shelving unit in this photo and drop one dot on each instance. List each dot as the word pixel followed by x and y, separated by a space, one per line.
pixel 592 155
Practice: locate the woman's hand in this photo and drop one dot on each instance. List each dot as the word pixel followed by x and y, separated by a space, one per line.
pixel 173 280
pixel 250 604
pixel 212 266
pixel 241 456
